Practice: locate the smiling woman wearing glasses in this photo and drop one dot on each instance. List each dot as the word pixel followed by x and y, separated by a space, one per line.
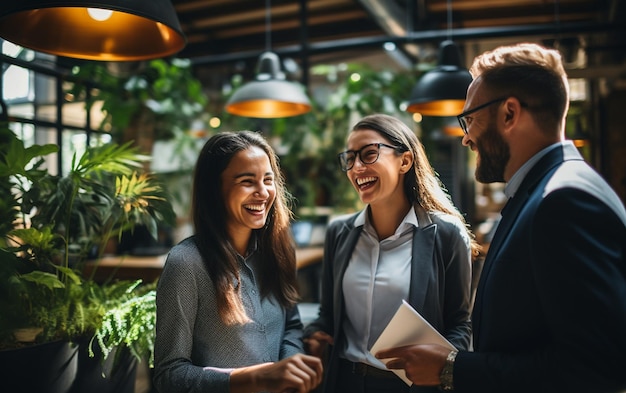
pixel 409 243
pixel 368 154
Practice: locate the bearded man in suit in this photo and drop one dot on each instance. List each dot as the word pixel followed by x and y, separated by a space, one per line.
pixel 550 309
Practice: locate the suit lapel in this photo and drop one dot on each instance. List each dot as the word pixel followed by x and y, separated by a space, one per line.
pixel 509 213
pixel 423 247
pixel 346 244
pixel 509 216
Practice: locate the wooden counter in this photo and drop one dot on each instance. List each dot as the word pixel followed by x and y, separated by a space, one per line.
pixel 128 267
pixel 308 256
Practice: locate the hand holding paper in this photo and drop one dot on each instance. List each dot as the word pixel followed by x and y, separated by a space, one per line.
pixel 407 327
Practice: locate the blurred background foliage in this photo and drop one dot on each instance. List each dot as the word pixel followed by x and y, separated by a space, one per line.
pixel 162 101
pixel 308 144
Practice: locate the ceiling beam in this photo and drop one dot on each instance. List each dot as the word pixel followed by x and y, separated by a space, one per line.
pixel 549 29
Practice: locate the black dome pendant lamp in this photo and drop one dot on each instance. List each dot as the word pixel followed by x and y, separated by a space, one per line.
pixel 442 90
pixel 270 95
pixel 107 30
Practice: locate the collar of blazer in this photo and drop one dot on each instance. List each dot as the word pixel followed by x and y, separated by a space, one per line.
pixel 423 218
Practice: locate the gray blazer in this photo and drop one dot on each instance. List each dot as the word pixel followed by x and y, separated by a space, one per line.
pixel 440 280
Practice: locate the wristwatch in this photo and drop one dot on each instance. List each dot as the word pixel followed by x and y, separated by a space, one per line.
pixel 445 378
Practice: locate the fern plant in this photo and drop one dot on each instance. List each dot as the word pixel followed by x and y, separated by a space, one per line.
pixel 129 321
pixel 51 225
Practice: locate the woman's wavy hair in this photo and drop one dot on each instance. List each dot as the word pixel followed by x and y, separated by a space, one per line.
pixel 274 241
pixel 421 184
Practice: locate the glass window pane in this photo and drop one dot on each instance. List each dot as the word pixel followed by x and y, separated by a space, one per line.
pixel 16 84
pixel 22 111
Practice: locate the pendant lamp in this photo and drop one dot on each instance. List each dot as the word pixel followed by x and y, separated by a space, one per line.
pixel 452 128
pixel 270 95
pixel 108 30
pixel 442 91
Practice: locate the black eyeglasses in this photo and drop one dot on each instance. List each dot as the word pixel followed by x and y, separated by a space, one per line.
pixel 463 115
pixel 368 154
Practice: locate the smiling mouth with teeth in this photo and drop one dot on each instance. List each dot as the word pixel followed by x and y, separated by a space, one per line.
pixel 255 207
pixel 365 180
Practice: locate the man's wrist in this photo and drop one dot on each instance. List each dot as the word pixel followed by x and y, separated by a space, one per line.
pixel 446 377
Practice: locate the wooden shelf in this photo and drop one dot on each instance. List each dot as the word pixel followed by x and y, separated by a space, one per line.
pixel 128 267
pixel 125 267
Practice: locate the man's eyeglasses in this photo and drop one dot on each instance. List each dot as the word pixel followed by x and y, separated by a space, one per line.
pixel 368 154
pixel 462 116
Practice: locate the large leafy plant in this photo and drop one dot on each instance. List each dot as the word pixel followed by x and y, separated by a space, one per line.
pixel 51 224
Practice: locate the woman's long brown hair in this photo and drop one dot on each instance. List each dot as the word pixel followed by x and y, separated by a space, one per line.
pixel 275 242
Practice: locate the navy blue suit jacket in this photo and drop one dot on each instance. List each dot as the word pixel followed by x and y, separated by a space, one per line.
pixel 550 309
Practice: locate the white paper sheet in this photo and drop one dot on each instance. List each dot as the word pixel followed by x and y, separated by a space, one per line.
pixel 407 327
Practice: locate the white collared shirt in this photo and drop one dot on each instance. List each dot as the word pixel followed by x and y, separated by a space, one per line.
pixel 516 180
pixel 375 283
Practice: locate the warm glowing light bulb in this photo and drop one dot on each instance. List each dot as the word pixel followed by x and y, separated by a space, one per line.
pixel 215 122
pixel 99 14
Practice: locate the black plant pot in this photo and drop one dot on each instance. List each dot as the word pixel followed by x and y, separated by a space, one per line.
pixel 98 376
pixel 41 368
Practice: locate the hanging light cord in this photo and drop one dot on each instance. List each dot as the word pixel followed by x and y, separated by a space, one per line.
pixel 449 20
pixel 409 19
pixel 557 21
pixel 268 21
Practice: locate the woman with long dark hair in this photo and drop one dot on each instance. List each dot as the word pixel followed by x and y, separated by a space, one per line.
pixel 227 318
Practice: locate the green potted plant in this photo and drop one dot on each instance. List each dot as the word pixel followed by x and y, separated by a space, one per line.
pixel 124 336
pixel 51 224
pixel 158 106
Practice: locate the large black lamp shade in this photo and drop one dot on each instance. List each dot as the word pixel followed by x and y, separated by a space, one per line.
pixel 270 95
pixel 134 30
pixel 442 90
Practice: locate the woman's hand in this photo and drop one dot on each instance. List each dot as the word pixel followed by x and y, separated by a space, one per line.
pixel 317 342
pixel 299 373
